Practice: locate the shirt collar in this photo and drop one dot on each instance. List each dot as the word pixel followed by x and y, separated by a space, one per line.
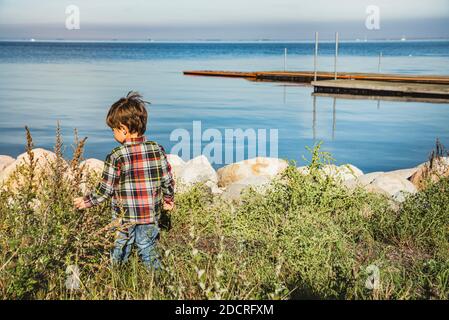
pixel 131 141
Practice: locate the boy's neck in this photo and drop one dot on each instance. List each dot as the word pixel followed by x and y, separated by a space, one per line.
pixel 132 135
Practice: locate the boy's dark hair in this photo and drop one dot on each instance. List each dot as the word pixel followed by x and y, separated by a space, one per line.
pixel 129 111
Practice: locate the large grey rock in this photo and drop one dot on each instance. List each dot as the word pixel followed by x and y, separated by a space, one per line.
pixel 400 196
pixel 197 170
pixel 440 160
pixel 432 172
pixel 361 181
pixel 213 188
pixel 92 164
pixel 369 177
pixel 41 157
pixel 5 161
pixel 392 185
pixel 176 164
pixel 343 172
pixel 403 173
pixel 303 170
pixel 234 191
pixel 175 160
pixel 260 166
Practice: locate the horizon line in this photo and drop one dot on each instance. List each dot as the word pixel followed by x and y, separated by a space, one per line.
pixel 150 40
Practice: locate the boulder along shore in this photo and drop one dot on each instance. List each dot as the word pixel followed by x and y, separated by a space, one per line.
pixel 231 180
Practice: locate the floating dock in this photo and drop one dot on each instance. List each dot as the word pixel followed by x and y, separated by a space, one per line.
pixel 426 87
pixel 344 96
pixel 382 88
pixel 308 76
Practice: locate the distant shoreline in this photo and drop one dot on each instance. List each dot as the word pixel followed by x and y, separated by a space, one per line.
pixel 221 41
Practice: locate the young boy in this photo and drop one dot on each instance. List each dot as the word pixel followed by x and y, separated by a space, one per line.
pixel 138 178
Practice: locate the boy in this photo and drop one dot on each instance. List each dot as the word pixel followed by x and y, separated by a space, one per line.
pixel 138 178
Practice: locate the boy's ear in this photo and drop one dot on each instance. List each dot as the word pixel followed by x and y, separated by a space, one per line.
pixel 123 128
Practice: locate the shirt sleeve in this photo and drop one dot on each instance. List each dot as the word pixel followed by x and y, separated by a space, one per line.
pixel 109 180
pixel 168 183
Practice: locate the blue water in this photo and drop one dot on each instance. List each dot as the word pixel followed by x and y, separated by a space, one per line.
pixel 76 83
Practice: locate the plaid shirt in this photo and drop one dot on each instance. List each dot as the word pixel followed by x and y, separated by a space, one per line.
pixel 137 176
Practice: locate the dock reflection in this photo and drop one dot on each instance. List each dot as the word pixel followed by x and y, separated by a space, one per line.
pixel 334 118
pixel 335 97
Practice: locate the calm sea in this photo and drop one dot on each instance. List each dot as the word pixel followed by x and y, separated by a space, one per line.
pixel 75 83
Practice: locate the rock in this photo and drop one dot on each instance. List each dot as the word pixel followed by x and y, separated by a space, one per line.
pixel 5 161
pixel 233 192
pixel 404 173
pixel 176 163
pixel 351 169
pixel 369 177
pixel 440 160
pixel 175 160
pixel 391 185
pixel 399 196
pixel 213 188
pixel 343 172
pixel 93 165
pixel 361 181
pixel 41 157
pixel 430 172
pixel 303 170
pixel 197 170
pixel 259 184
pixel 260 166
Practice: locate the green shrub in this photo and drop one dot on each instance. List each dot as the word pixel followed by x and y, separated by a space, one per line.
pixel 306 236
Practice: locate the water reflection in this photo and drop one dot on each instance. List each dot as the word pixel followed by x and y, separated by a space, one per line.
pixel 334 116
pixel 45 83
pixel 334 121
pixel 342 97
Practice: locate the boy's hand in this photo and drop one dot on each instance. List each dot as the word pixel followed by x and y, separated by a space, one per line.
pixel 168 205
pixel 80 204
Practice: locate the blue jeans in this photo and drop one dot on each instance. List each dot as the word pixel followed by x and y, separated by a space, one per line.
pixel 144 235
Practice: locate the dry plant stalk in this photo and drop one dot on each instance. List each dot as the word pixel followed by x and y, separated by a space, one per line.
pixel 78 149
pixel 32 164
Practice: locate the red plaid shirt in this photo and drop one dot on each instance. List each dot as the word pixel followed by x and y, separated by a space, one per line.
pixel 138 178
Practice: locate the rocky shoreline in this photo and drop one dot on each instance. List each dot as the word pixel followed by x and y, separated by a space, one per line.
pixel 229 181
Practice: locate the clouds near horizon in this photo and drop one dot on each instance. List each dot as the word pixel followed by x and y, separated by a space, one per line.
pixel 230 19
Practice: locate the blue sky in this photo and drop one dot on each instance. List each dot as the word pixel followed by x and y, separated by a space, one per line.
pixel 218 19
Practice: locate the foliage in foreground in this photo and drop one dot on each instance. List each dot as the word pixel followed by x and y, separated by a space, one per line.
pixel 305 237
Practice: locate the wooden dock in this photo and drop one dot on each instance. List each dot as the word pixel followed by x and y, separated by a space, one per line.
pixel 425 87
pixel 344 96
pixel 382 88
pixel 308 76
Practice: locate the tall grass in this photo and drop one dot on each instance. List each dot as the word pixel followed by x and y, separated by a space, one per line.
pixel 305 237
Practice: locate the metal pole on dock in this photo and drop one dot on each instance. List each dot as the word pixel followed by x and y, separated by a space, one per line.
pixel 285 59
pixel 315 57
pixel 336 55
pixel 380 57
